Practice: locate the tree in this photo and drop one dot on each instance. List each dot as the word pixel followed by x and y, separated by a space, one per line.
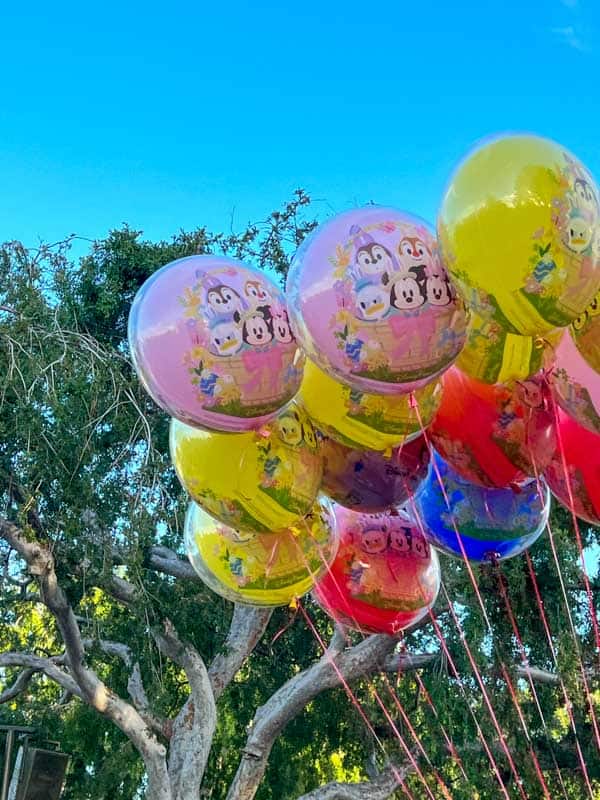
pixel 160 689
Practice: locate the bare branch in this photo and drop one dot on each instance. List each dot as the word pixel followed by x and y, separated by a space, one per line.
pixel 118 649
pixel 22 682
pixel 49 666
pixel 164 560
pixel 380 788
pixel 269 720
pixel 247 626
pixel 540 675
pixel 86 683
pixel 137 692
pixel 194 726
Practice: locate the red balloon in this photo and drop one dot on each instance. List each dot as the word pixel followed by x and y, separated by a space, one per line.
pixel 494 435
pixel 385 576
pixel 582 456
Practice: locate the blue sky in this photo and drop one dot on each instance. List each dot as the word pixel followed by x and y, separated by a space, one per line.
pixel 182 114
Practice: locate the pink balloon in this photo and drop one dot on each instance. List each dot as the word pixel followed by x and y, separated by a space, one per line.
pixel 576 385
pixel 212 345
pixel 371 303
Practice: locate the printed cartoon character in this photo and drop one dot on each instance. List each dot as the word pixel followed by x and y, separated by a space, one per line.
pixel 290 428
pixel 371 257
pixel 413 252
pixel 531 394
pixel 373 540
pixel 372 299
pixel 309 436
pixel 406 293
pixel 256 294
pixel 437 288
pixel 400 540
pixel 579 233
pixel 585 196
pixel 255 328
pixel 280 328
pixel 225 337
pixel 223 299
pixel 419 546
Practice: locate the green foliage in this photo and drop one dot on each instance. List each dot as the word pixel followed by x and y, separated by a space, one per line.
pixel 84 457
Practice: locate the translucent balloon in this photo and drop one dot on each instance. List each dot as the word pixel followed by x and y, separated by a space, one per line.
pixel 385 576
pixel 371 304
pixel 520 224
pixel 365 481
pixel 261 569
pixel 259 481
pixel 491 522
pixel 576 385
pixel 212 345
pixel 586 333
pixel 493 355
pixel 365 421
pixel 582 473
pixel 494 435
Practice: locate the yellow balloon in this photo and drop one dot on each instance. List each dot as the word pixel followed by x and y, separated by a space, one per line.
pixel 256 481
pixel 493 355
pixel 365 421
pixel 586 333
pixel 520 224
pixel 261 569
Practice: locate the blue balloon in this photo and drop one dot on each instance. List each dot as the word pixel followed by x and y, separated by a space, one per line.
pixel 498 523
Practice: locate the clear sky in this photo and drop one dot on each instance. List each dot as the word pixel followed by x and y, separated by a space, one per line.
pixel 181 114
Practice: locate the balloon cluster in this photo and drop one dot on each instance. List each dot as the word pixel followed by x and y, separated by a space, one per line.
pixel 412 390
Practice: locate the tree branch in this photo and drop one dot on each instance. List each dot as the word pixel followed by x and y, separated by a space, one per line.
pixel 380 788
pixel 87 684
pixel 247 626
pixel 269 720
pixel 21 683
pixel 49 666
pixel 194 726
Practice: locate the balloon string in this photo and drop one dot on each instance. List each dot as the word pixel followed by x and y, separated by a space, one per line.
pixel 513 694
pixel 525 661
pixel 376 695
pixel 578 538
pixel 568 703
pixel 574 634
pixel 354 699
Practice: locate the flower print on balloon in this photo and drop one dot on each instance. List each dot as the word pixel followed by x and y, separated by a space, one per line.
pixel 371 303
pixel 212 343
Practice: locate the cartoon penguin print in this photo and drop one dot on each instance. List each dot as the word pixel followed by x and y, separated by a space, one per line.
pixel 223 299
pixel 371 258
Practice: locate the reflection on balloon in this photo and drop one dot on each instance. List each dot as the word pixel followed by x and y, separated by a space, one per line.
pixel 385 576
pixel 582 475
pixel 498 523
pixel 576 385
pixel 371 304
pixel 261 569
pixel 366 421
pixel 520 225
pixel 494 435
pixel 259 481
pixel 363 480
pixel 211 343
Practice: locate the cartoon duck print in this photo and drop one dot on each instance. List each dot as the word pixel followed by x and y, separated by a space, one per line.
pixel 579 232
pixel 372 298
pixel 290 428
pixel 223 299
pixel 371 258
pixel 225 336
